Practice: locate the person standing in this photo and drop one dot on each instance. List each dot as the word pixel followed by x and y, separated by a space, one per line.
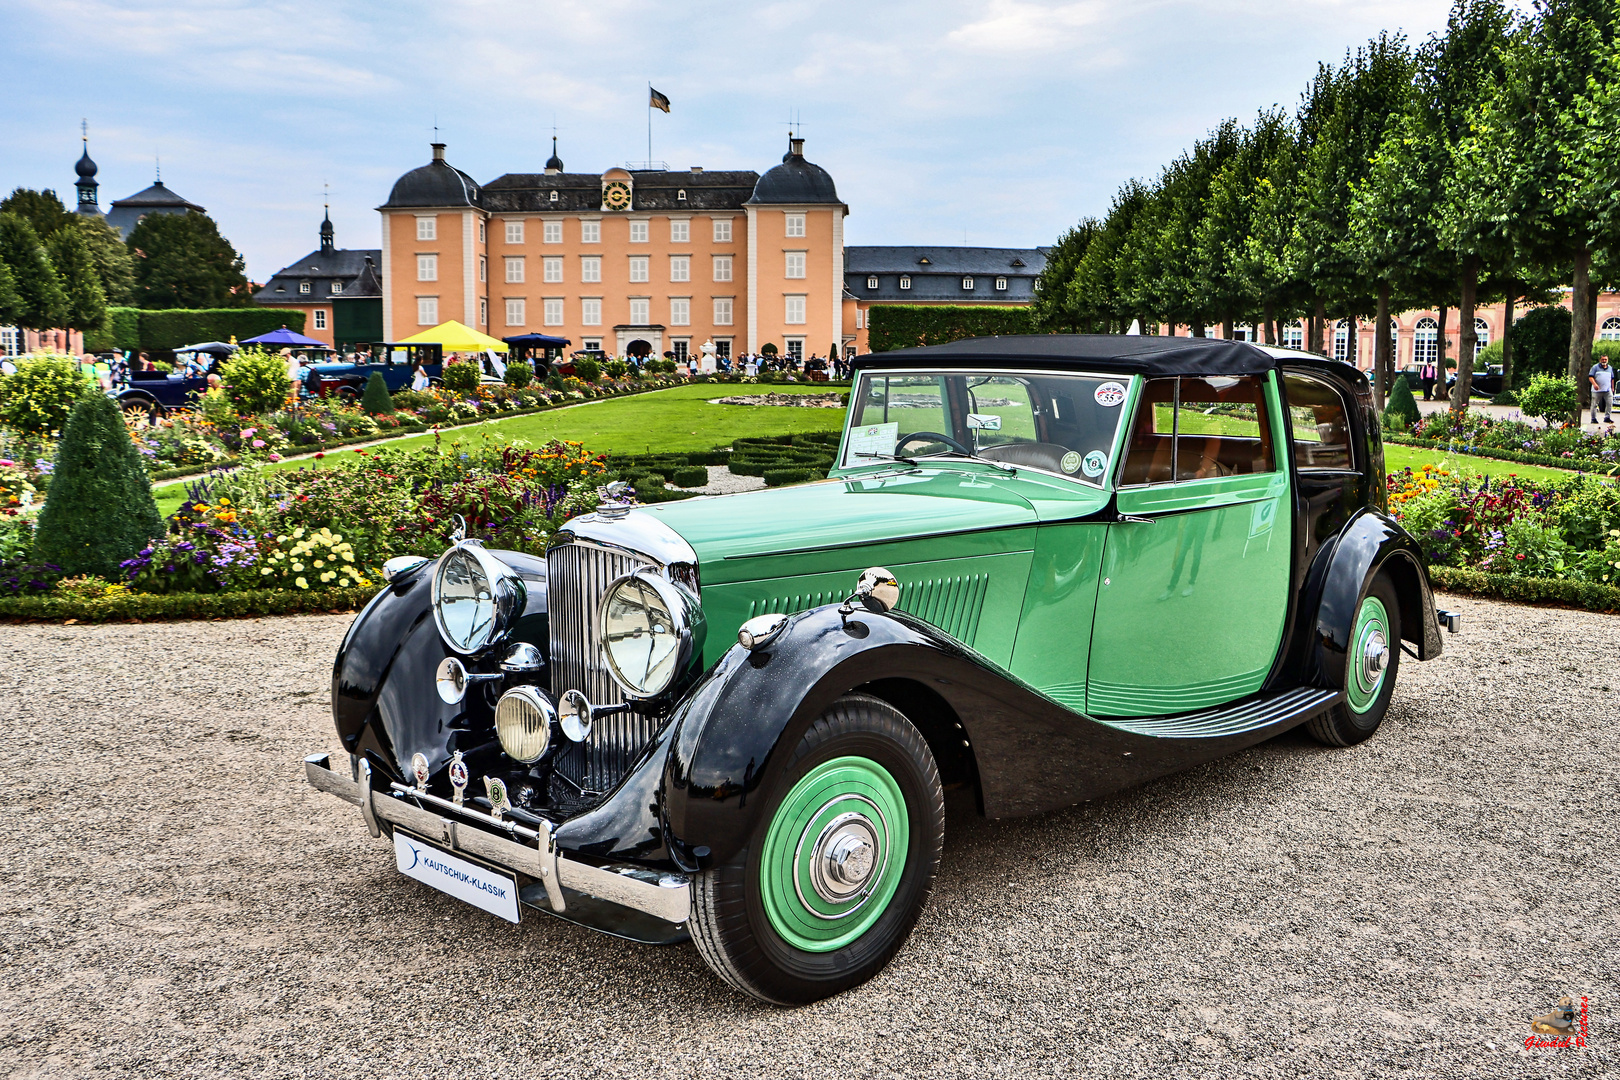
pixel 1426 379
pixel 1602 379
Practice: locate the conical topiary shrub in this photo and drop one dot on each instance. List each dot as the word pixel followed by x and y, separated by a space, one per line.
pixel 1402 404
pixel 99 509
pixel 377 400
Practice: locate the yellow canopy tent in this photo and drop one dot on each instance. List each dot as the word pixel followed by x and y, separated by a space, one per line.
pixel 454 337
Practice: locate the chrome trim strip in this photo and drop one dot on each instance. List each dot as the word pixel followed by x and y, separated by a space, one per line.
pixel 665 896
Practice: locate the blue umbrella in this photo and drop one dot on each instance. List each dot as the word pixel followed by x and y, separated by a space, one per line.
pixel 536 341
pixel 285 337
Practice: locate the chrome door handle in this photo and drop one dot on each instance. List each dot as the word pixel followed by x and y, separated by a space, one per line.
pixel 1137 520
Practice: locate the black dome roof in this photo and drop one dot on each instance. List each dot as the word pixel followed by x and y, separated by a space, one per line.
pixel 795 180
pixel 437 183
pixel 85 168
pixel 554 163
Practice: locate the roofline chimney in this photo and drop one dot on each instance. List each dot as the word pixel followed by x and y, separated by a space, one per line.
pixel 438 151
pixel 796 145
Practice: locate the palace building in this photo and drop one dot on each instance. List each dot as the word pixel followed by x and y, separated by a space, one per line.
pixel 339 290
pixel 629 261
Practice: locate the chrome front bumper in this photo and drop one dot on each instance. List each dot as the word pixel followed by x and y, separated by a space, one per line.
pixel 526 850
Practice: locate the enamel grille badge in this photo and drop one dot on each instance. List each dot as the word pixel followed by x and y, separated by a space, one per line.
pixel 499 803
pixel 458 776
pixel 1110 395
pixel 419 769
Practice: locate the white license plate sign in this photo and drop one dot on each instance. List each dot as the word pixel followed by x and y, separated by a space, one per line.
pixel 479 886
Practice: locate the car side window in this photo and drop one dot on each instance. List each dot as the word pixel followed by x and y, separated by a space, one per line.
pixel 1196 428
pixel 1318 424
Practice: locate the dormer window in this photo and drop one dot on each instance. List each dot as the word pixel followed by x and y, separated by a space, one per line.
pixel 337 287
pixel 1018 262
pixel 967 283
pixel 871 282
pixel 1001 284
pixel 925 261
pixel 553 196
pixel 681 195
pixel 303 286
pixel 905 281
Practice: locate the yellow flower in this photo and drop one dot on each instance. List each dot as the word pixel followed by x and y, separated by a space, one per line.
pixel 223 501
pixel 266 570
pixel 348 556
pixel 301 583
pixel 319 563
pixel 298 533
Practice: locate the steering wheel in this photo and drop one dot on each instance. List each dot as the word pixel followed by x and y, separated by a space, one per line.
pixel 931 436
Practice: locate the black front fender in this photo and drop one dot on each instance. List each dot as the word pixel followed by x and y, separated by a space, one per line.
pixel 1371 543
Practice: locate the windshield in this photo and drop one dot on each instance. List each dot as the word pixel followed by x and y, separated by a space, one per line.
pixel 1061 424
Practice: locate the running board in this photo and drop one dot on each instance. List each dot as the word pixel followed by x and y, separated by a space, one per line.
pixel 1268 710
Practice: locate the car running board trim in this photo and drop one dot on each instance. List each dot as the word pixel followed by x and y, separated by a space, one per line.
pixel 1265 711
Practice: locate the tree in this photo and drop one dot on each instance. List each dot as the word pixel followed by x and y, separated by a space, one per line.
pixel 86 302
pixel 41 301
pixel 114 266
pixel 10 301
pixel 1097 286
pixel 1224 281
pixel 100 509
pixel 1055 306
pixel 41 209
pixel 377 401
pixel 182 261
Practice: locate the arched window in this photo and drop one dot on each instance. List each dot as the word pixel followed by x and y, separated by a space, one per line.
pixel 1610 330
pixel 1243 333
pixel 1425 342
pixel 1293 336
pixel 1341 340
pixel 1482 335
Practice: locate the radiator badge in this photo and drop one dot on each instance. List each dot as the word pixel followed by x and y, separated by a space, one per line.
pixel 458 776
pixel 499 804
pixel 419 769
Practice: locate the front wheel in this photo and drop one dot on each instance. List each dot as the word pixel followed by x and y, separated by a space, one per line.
pixel 1370 668
pixel 836 874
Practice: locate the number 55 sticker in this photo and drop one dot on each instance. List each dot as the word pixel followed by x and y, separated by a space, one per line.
pixel 1110 395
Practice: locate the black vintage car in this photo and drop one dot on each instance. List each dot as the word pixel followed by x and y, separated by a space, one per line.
pixel 1043 568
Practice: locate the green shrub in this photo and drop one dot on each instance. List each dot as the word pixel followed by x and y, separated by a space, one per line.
pixel 1611 349
pixel 616 369
pixel 1402 405
pixel 174 327
pixel 38 399
pixel 122 331
pixel 1506 397
pixel 778 477
pixel 376 400
pixel 1488 357
pixel 256 381
pixel 100 509
pixel 588 369
pixel 1529 547
pixel 1551 397
pixel 905 326
pixel 519 374
pixel 1540 344
pixel 1594 596
pixel 130 605
pixel 463 376
pixel 691 476
pixel 215 406
pixel 413 399
pixel 768 349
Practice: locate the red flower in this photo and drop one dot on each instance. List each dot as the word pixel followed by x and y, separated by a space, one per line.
pixel 320 455
pixel 1519 557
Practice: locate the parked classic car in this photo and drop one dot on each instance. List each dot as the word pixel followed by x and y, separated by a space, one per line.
pixel 1045 569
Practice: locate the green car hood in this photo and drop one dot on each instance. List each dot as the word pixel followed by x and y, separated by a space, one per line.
pixel 859 520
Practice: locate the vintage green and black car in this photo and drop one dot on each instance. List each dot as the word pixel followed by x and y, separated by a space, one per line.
pixel 1044 569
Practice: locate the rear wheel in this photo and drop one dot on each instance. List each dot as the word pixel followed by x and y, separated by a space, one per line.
pixel 142 410
pixel 837 872
pixel 1370 668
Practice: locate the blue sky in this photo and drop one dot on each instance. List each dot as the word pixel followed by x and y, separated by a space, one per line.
pixel 998 121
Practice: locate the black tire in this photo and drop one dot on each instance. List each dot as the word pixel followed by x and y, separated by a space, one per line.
pixel 144 409
pixel 1342 725
pixel 729 922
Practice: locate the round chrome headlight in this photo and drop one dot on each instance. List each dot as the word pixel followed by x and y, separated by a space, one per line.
pixel 523 720
pixel 476 597
pixel 646 632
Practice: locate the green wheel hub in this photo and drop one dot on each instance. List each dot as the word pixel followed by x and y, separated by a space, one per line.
pixel 834 854
pixel 1369 658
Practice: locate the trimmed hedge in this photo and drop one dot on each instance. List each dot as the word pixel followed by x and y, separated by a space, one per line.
pixel 1526 590
pixel 136 328
pixel 147 606
pixel 1519 457
pixel 123 331
pixel 904 326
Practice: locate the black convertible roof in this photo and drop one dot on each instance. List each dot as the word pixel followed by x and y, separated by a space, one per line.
pixel 1113 352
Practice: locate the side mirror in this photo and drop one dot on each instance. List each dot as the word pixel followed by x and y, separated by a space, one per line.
pixel 877 590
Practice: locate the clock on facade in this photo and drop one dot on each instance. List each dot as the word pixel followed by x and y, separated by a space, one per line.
pixel 615 195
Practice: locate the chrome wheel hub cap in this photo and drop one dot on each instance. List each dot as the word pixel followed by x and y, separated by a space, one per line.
pixel 843 857
pixel 1374 657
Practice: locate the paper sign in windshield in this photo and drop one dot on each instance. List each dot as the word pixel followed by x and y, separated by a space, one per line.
pixel 1110 395
pixel 984 421
pixel 873 439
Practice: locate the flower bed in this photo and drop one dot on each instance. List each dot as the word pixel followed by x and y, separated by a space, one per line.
pixel 1558 447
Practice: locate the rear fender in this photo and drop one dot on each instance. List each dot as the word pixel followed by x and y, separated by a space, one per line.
pixel 1372 543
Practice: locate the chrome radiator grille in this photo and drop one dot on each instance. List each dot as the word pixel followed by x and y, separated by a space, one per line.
pixel 577 576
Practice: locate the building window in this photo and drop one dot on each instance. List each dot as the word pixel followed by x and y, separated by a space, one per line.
pixel 722 231
pixel 1482 336
pixel 638 232
pixel 967 283
pixel 483 268
pixel 640 312
pixel 905 281
pixel 680 196
pixel 320 319
pixel 590 312
pixel 514 271
pixel 795 224
pixel 337 287
pixel 722 311
pixel 514 313
pixel 1293 336
pixel 871 282
pixel 722 347
pixel 680 268
pixel 591 344
pixel 553 196
pixel 483 311
pixel 303 286
pixel 1001 284
pixel 794 315
pixel 680 232
pixel 427 311
pixel 553 312
pixel 795 264
pixel 514 232
pixel 1425 342
pixel 681 347
pixel 551 231
pixel 427 228
pixel 590 232
pixel 590 268
pixel 680 311
pixel 551 268
pixel 480 232
pixel 1341 339
pixel 427 268
pixel 638 268
pixel 722 268
pixel 795 348
pixel 860 318
pixel 1610 330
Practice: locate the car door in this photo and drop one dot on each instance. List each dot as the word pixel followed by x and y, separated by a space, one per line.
pixel 1195 574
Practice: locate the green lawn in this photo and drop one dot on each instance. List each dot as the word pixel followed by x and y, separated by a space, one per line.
pixel 680 418
pixel 1397 456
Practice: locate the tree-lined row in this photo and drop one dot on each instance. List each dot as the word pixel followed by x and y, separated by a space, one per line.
pixel 1480 165
pixel 62 270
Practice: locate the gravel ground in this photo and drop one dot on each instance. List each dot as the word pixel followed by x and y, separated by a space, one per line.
pixel 722 481
pixel 178 902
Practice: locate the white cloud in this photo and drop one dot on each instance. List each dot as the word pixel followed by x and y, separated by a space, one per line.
pixel 1020 26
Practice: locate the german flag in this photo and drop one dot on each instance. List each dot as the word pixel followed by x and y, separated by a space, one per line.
pixel 659 101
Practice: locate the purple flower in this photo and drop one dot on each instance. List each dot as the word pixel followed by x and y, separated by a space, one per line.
pixel 257 443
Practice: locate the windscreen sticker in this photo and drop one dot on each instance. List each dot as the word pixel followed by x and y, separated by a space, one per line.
pixel 873 439
pixel 1070 461
pixel 1095 464
pixel 1110 395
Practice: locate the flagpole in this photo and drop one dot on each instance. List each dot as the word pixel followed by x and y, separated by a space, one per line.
pixel 649 124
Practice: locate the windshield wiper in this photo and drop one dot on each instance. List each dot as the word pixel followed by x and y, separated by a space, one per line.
pixel 1010 470
pixel 889 457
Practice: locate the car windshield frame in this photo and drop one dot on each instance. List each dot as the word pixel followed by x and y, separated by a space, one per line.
pixel 1106 442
